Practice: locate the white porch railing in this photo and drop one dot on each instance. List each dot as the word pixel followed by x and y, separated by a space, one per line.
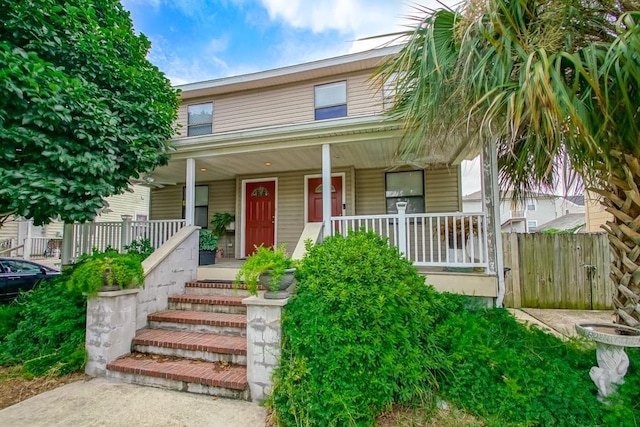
pixel 101 235
pixel 453 239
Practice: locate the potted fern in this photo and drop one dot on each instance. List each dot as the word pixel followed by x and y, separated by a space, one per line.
pixel 107 271
pixel 270 267
pixel 221 222
pixel 208 245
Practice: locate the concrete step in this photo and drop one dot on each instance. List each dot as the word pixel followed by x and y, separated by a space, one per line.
pixel 215 379
pixel 216 287
pixel 199 321
pixel 192 345
pixel 208 303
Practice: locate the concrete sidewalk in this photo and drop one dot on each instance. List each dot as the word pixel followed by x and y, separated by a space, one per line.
pixel 560 322
pixel 100 402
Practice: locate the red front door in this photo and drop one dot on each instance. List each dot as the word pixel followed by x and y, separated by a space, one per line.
pixel 314 198
pixel 260 212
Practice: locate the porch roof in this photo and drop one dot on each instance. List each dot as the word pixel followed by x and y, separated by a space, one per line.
pixel 368 141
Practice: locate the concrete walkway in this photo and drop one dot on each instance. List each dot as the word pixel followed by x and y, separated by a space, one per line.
pixel 100 402
pixel 560 322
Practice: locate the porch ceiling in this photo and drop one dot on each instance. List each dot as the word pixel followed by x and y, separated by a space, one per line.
pixel 364 143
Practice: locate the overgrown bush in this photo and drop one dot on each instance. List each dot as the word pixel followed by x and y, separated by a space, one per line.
pixel 357 336
pixel 49 335
pixel 504 371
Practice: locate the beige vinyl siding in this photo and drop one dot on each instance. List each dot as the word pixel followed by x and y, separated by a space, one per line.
pixel 363 97
pixel 442 190
pixel 166 203
pixel 9 229
pixel 128 203
pixel 595 214
pixel 370 192
pixel 284 104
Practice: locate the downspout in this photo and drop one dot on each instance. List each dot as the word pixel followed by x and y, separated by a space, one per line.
pixel 495 194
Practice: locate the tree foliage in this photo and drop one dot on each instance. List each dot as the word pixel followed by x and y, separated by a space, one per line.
pixel 81 108
pixel 555 83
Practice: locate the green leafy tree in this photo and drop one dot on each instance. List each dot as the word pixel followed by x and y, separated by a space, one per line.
pixel 81 108
pixel 554 83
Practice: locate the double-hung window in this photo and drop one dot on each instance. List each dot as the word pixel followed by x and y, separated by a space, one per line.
pixel 330 100
pixel 201 217
pixel 405 187
pixel 200 119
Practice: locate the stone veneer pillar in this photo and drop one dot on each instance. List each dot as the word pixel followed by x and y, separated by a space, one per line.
pixel 111 326
pixel 264 334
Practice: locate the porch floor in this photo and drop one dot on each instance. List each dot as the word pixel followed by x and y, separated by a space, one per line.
pixel 464 282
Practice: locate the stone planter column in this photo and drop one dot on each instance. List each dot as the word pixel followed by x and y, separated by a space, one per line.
pixel 111 326
pixel 264 334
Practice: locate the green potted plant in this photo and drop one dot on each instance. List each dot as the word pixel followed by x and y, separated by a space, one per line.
pixel 220 222
pixel 208 244
pixel 107 271
pixel 269 267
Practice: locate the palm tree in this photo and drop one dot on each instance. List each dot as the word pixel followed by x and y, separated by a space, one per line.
pixel 554 83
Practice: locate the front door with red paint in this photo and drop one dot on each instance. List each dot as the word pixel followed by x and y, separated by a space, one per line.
pixel 260 212
pixel 314 198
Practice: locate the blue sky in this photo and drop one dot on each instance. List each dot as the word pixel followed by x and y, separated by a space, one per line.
pixel 196 40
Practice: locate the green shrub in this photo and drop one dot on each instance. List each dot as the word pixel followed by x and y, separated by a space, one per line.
pixel 140 247
pixel 357 336
pixel 502 370
pixel 106 268
pixel 49 336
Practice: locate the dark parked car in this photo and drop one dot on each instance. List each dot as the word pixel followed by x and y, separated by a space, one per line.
pixel 19 275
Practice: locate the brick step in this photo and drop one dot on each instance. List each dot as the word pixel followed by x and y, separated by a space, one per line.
pixel 208 303
pixel 216 287
pixel 192 345
pixel 199 321
pixel 214 379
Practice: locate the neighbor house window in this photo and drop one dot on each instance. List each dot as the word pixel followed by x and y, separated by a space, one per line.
pixel 532 224
pixel 405 187
pixel 201 218
pixel 200 119
pixel 531 205
pixel 330 100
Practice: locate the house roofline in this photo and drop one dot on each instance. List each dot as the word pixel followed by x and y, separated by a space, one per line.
pixel 290 135
pixel 331 66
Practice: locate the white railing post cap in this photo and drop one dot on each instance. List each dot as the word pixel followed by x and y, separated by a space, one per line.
pixel 401 205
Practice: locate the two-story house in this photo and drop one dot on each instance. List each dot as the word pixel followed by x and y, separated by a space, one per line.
pixel 262 145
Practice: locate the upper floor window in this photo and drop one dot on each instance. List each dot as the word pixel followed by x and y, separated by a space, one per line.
pixel 389 91
pixel 200 119
pixel 405 187
pixel 331 100
pixel 531 205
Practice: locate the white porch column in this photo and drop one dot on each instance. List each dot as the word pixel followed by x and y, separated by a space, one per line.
pixel 491 205
pixel 326 189
pixel 26 250
pixel 190 193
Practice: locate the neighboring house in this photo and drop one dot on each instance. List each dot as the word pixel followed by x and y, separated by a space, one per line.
pixel 15 230
pixel 575 222
pixel 526 217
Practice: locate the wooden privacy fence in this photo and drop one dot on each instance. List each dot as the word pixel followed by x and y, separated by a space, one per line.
pixel 557 271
